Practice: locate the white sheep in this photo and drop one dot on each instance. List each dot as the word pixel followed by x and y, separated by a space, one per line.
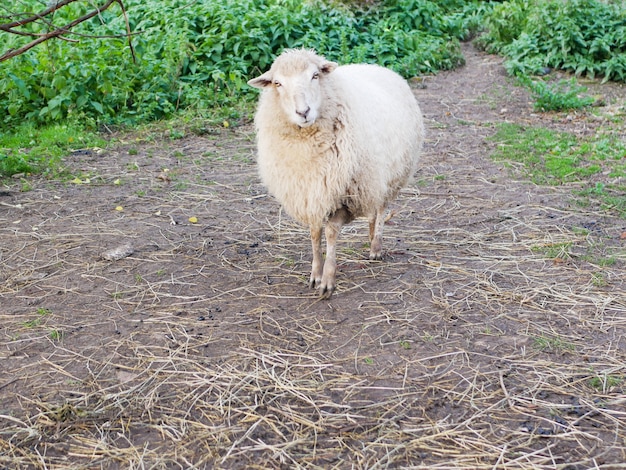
pixel 335 143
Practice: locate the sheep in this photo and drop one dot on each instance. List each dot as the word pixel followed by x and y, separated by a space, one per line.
pixel 335 143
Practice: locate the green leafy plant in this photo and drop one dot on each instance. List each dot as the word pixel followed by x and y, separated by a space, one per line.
pixel 505 23
pixel 194 59
pixel 565 95
pixel 11 164
pixel 29 148
pixel 586 37
pixel 200 55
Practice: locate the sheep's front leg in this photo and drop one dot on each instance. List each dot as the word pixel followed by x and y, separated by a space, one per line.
pixel 333 228
pixel 318 264
pixel 377 223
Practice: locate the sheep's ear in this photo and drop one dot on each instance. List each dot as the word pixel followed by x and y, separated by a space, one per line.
pixel 328 66
pixel 261 81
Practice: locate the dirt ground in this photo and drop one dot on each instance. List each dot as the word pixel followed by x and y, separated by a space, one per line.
pixel 472 345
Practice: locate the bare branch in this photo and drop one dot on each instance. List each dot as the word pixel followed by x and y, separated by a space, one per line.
pixel 54 7
pixel 60 31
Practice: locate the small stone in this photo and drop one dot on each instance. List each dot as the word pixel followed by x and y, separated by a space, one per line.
pixel 118 252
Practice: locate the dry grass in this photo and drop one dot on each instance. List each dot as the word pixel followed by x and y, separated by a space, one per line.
pixel 474 345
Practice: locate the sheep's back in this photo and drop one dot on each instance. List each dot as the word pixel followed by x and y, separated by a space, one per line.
pixel 386 126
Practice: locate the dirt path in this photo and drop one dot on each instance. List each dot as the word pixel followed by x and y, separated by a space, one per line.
pixel 467 347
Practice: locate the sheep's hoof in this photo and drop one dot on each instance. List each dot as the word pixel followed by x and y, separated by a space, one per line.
pixel 326 292
pixel 377 256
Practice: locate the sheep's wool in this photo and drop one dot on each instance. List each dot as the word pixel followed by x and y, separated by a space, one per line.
pixel 335 143
pixel 359 153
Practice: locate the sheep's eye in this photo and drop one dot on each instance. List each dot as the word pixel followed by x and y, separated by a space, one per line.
pixel 277 83
pixel 316 75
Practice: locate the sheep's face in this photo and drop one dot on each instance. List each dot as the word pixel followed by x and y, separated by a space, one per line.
pixel 299 95
pixel 295 79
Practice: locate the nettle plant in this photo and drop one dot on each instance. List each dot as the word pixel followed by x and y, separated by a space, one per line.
pixel 563 95
pixel 586 37
pixel 199 55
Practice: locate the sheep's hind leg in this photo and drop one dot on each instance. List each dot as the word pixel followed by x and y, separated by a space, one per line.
pixel 318 264
pixel 377 223
pixel 333 228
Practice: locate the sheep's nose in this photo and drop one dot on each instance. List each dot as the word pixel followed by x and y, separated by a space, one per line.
pixel 303 113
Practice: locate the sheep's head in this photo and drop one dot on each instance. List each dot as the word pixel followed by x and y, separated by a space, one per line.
pixel 295 77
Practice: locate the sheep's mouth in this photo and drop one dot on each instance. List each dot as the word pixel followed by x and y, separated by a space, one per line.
pixel 306 123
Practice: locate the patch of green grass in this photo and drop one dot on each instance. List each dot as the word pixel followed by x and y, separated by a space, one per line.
pixel 56 335
pixel 351 252
pixel 29 149
pixel 580 231
pixel 550 157
pixel 117 295
pixel 41 313
pixel 180 185
pixel 554 344
pixel 605 382
pixel 427 337
pixel 605 262
pixel 601 260
pixel 599 279
pixel 285 261
pixel 26 186
pixel 15 163
pixel 556 251
pixel 176 134
pixel 612 197
pixel 32 323
pixel 599 254
pixel 243 157
pixel 582 248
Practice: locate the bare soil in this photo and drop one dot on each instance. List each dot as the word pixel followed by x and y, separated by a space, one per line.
pixel 472 345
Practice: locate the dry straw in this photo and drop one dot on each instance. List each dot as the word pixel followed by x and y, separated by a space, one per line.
pixel 490 337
